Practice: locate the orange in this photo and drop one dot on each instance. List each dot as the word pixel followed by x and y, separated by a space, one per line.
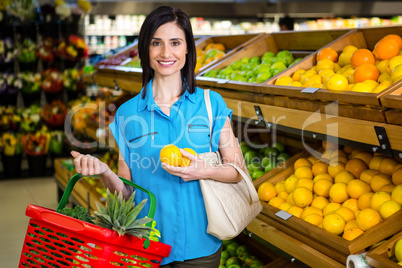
pixel 367 218
pixel 319 167
pixel 345 57
pixel 276 201
pixel 339 158
pixel 346 213
pixel 338 193
pixel 327 53
pixel 280 186
pixel 186 161
pixel 330 207
pixel 352 233
pixel 301 162
pixel 171 155
pixel 368 174
pixel 283 80
pixel 337 153
pixel 333 223
pixel 397 167
pixel 289 199
pixel 378 199
pixel 365 200
pixel 350 224
pixel 361 56
pixel 356 166
pixel 297 75
pixel 344 176
pixel 356 188
pixel 304 172
pixel 290 183
pixel 319 202
pixel 387 188
pixel 327 145
pixel 302 197
pixel 386 48
pixel 314 218
pixel 351 203
pixel 366 71
pixel 322 187
pixel 388 208
pixel 396 194
pixel 295 211
pixel 395 37
pixel 266 191
pixel 397 176
pixel 375 162
pixel 324 64
pixel 365 156
pixel 305 182
pixel 354 152
pixel 284 195
pixel 379 181
pixel 219 46
pixel 335 168
pixel 348 149
pixel 311 210
pixel 312 159
pixel 323 176
pixel 387 165
pixel 285 206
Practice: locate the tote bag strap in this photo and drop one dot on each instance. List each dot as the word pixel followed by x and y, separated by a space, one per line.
pixel 246 178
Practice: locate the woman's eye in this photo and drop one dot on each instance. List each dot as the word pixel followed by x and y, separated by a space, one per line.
pixel 175 43
pixel 155 43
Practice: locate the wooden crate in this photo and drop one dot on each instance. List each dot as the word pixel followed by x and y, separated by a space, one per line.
pixel 300 44
pixel 361 38
pixel 383 256
pixel 232 43
pixel 330 244
pixel 64 173
pixel 393 100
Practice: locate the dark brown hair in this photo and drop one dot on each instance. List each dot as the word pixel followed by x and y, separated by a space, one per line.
pixel 153 21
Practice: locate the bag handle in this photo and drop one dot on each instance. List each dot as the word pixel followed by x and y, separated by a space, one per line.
pixel 246 178
pixel 74 179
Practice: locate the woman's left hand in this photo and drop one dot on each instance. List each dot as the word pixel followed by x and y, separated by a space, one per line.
pixel 197 169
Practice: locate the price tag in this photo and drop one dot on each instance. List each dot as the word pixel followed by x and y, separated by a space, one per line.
pixel 310 90
pixel 222 81
pixel 283 215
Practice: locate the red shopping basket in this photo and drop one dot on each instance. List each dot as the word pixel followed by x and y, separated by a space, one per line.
pixel 57 240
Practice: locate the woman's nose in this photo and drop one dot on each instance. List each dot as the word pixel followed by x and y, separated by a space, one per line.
pixel 165 51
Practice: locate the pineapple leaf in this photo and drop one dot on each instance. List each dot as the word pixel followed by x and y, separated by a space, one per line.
pixel 140 222
pixel 135 211
pixel 109 202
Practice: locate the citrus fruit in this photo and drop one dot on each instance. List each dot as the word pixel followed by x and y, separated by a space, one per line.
pixel 346 213
pixel 366 71
pixel 361 56
pixel 381 66
pixel 314 79
pixel 302 197
pixel 375 162
pixel 398 250
pixel 305 182
pixel 171 155
pixel 352 204
pixel 276 201
pixel 322 187
pixel 397 176
pixel 365 156
pixel 338 193
pixel 356 188
pixel 350 224
pixel 289 199
pixel 301 162
pixel 280 187
pixel 284 195
pixel 387 165
pixel 352 233
pixel 396 194
pixel 333 223
pixel 186 161
pixel 378 199
pixel 356 166
pixel 345 58
pixel 295 84
pixel 350 48
pixel 388 188
pixel 304 172
pixel 314 218
pixel 365 200
pixel 319 202
pixel 344 176
pixel 325 64
pixel 379 89
pixel 266 191
pixel 334 168
pixel 386 48
pixel 319 167
pixel 367 218
pixel 311 210
pixel 396 72
pixel 290 183
pixel 324 72
pixel 327 53
pixel 297 74
pixel 332 206
pixel 295 211
pixel 283 80
pixel 379 181
pixel 388 208
pixel 392 63
pixel 397 38
pixel 285 206
pixel 337 82
pixel 361 87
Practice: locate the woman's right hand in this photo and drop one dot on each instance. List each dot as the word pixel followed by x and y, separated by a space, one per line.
pixel 88 164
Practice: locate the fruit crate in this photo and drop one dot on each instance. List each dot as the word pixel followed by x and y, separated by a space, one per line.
pixel 299 43
pixel 361 38
pixel 383 256
pixel 63 172
pixel 393 100
pixel 232 43
pixel 330 244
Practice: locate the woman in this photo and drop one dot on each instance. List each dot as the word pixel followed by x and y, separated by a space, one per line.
pixel 170 109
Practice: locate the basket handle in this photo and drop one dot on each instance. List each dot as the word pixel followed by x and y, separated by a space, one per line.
pixel 78 176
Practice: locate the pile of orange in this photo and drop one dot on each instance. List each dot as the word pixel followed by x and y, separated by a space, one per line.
pixel 345 191
pixel 204 56
pixel 354 69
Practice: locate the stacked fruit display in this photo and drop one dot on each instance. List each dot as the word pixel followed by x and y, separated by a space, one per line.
pixel 211 52
pixel 255 69
pixel 236 255
pixel 352 69
pixel 345 191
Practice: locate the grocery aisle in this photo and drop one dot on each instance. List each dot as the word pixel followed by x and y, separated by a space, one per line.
pixel 15 195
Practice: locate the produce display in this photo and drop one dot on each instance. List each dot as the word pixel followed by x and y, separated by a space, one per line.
pixel 256 69
pixel 237 255
pixel 345 191
pixel 210 53
pixel 352 69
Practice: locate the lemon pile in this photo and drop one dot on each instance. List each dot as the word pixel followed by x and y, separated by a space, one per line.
pixel 210 53
pixel 352 69
pixel 344 191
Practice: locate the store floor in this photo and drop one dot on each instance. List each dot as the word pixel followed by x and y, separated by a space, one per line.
pixel 15 195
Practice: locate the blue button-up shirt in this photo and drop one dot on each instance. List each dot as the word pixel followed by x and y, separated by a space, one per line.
pixel 141 129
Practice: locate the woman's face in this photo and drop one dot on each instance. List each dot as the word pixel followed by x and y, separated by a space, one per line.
pixel 168 49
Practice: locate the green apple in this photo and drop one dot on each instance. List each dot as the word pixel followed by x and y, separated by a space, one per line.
pixel 212 53
pixel 255 60
pixel 233 260
pixel 251 66
pixel 283 60
pixel 243 256
pixel 252 79
pixel 249 260
pixel 222 266
pixel 282 157
pixel 244 148
pixel 270 166
pixel 268 61
pixel 236 65
pixel 271 152
pixel 268 54
pixel 263 67
pixel 211 73
pixel 250 157
pixel 256 174
pixel 256 264
pixel 225 243
pixel 276 71
pixel 295 61
pixel 234 266
pixel 231 248
pixel 245 60
pixel 266 160
pixel 225 254
pixel 284 53
pixel 252 167
pixel 262 77
pixel 226 71
pixel 279 146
